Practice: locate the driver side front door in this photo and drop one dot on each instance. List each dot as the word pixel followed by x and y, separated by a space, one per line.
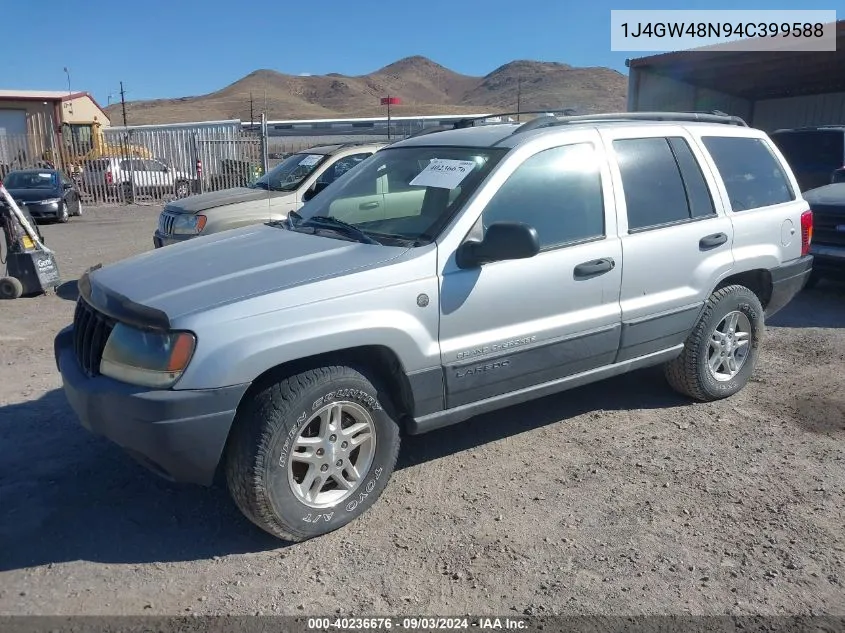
pixel 512 325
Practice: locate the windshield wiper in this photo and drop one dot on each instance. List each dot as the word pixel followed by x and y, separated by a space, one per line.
pixel 260 185
pixel 341 226
pixel 293 216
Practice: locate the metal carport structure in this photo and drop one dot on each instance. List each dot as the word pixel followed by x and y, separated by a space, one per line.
pixel 769 89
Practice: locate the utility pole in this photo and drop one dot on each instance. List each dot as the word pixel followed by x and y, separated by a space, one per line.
pixel 251 111
pixel 126 152
pixel 518 95
pixel 123 103
pixel 69 92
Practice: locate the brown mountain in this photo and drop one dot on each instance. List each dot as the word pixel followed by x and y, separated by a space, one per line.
pixel 424 86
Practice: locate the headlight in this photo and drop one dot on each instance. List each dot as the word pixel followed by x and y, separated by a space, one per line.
pixel 150 359
pixel 188 224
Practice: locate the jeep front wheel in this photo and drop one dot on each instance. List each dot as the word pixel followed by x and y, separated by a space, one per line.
pixel 312 452
pixel 721 351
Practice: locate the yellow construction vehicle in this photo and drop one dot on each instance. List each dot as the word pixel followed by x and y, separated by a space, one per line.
pixel 83 142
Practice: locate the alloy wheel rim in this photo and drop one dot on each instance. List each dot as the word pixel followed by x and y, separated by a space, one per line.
pixel 729 346
pixel 332 454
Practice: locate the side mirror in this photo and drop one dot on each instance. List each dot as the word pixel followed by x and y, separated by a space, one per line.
pixel 67 185
pixel 316 188
pixel 502 241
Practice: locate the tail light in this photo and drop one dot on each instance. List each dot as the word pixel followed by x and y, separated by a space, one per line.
pixel 109 179
pixel 806 232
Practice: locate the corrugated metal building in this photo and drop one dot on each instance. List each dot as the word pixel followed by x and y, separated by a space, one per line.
pixel 768 89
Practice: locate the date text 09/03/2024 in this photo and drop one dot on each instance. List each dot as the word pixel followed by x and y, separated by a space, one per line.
pixel 723 29
pixel 421 623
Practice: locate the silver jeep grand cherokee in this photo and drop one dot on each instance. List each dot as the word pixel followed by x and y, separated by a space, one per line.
pixel 448 275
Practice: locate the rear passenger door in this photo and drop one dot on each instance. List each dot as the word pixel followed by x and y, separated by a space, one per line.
pixel 676 238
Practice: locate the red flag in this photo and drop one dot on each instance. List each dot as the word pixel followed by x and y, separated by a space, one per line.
pixel 391 101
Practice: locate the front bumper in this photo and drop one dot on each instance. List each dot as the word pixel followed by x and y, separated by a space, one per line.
pixel 43 211
pixel 180 435
pixel 787 281
pixel 160 239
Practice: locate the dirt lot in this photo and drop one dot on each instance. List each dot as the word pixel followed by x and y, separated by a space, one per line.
pixel 619 498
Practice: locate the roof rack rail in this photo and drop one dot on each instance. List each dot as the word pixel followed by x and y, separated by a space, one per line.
pixel 346 144
pixel 470 122
pixel 430 130
pixel 713 116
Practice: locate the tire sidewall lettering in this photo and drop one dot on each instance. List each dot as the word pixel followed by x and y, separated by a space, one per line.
pixel 368 489
pixel 357 395
pixel 284 453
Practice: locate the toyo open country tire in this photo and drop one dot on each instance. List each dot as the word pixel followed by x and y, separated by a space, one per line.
pixel 309 427
pixel 722 350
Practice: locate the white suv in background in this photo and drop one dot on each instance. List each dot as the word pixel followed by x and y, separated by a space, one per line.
pixel 132 177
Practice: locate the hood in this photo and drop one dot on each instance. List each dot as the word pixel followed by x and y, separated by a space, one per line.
pixel 828 195
pixel 213 199
pixel 214 270
pixel 34 195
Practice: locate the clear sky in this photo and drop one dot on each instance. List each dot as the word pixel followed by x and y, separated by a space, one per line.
pixel 174 48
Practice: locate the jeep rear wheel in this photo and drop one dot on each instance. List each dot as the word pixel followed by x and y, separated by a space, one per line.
pixel 721 351
pixel 312 452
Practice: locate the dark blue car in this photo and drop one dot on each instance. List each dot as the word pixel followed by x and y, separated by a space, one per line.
pixel 46 193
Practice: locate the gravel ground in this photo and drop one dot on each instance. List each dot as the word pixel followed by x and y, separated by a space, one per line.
pixel 617 498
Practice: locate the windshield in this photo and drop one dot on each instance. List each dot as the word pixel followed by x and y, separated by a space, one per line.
pixel 406 193
pixel 31 180
pixel 289 174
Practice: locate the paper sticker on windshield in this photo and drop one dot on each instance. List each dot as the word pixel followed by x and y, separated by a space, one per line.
pixel 311 159
pixel 45 175
pixel 444 173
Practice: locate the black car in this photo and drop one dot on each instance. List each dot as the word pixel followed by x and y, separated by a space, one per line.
pixel 46 193
pixel 816 155
pixel 828 241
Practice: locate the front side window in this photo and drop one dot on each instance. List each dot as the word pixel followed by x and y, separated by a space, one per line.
pixel 558 192
pixel 290 173
pixel 403 193
pixel 752 174
pixel 341 166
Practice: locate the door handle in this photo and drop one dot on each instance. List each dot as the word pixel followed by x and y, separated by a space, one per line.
pixel 712 241
pixel 364 206
pixel 594 267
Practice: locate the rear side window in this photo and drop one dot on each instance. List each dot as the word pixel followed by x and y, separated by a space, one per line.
pixel 752 174
pixel 662 182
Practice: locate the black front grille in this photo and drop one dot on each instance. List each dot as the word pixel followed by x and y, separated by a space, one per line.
pixel 828 228
pixel 828 224
pixel 90 332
